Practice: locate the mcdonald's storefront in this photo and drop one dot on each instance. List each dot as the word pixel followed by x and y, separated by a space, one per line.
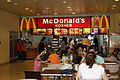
pixel 75 27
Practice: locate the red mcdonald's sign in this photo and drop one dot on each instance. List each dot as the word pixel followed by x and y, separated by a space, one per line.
pixel 29 23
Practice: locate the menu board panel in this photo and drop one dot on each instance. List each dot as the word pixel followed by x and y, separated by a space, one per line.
pixel 94 31
pixel 49 31
pixel 75 31
pixel 40 32
pixel 103 31
pixel 86 30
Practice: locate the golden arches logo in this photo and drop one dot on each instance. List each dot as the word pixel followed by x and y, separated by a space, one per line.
pixel 100 21
pixel 27 23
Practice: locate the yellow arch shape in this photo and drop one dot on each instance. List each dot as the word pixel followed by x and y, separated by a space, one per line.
pixel 21 24
pixel 27 24
pixel 93 21
pixel 106 20
pixel 34 26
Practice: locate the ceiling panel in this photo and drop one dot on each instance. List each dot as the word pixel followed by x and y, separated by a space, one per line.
pixel 59 7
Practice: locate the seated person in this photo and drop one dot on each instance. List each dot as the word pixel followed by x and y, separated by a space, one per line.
pixel 90 70
pixel 53 58
pixel 99 59
pixel 70 55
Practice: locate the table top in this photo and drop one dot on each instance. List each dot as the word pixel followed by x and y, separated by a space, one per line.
pixel 111 62
pixel 55 72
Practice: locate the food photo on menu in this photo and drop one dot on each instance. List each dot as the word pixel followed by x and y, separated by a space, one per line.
pixel 71 31
pixel 80 31
pixel 64 31
pixel 103 31
pixel 86 30
pixel 49 31
pixel 57 31
pixel 39 32
pixel 94 31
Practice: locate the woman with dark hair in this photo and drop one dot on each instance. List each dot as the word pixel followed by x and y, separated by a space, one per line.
pixel 90 70
pixel 41 45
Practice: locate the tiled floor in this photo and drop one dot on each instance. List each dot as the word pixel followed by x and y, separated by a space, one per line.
pixel 15 70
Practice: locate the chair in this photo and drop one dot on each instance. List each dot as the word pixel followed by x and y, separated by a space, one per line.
pixel 114 71
pixel 32 75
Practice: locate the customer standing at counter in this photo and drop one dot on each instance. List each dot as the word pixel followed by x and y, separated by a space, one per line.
pixel 90 70
pixel 86 42
pixel 55 43
pixel 41 45
pixel 63 46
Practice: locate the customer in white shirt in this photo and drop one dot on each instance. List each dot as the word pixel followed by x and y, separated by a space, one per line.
pixel 90 70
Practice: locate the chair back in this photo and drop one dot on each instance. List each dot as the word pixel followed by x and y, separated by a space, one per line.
pixel 32 75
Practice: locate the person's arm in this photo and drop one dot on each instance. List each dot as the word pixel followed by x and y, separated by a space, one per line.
pixel 78 75
pixel 45 61
pixel 40 55
pixel 104 76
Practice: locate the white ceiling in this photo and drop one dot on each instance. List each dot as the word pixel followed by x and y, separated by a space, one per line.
pixel 59 7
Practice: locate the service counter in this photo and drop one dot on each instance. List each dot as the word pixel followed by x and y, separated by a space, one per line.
pixel 31 52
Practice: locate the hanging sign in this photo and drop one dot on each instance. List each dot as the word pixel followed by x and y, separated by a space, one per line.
pixel 27 24
pixel 64 22
pixel 102 21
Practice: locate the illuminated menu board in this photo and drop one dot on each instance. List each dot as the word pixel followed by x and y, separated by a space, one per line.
pixel 86 30
pixel 70 26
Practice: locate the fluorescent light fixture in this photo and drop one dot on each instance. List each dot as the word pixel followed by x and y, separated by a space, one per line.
pixel 9 1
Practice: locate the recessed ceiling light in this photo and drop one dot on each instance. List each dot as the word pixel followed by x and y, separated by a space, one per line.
pixel 55 13
pixel 38 14
pixel 64 2
pixel 91 9
pixel 46 8
pixel 31 10
pixel 116 0
pixel 34 0
pixel 114 5
pixel 26 8
pixel 15 4
pixel 112 8
pixel 73 13
pixel 68 7
pixel 9 1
